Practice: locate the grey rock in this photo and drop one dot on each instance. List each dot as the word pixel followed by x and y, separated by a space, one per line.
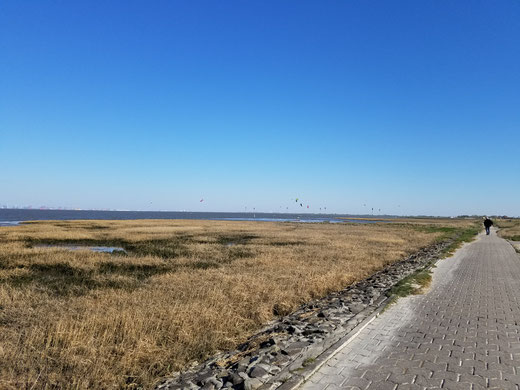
pixel 265 366
pixel 312 330
pixel 242 365
pixel 357 308
pixel 252 384
pixel 222 374
pixel 268 343
pixel 293 329
pixel 244 361
pixel 236 379
pixel 213 381
pixel 281 360
pixel 258 372
pixel 295 348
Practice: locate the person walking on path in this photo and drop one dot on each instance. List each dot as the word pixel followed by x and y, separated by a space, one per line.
pixel 487 224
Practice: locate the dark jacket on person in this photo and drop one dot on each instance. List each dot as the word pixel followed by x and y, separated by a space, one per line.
pixel 488 222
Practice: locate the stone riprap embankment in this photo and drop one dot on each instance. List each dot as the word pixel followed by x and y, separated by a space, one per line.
pixel 280 351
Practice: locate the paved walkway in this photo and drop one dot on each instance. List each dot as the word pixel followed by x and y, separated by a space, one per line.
pixel 463 334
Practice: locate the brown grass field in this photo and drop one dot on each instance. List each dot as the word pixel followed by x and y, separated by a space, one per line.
pixel 509 228
pixel 184 290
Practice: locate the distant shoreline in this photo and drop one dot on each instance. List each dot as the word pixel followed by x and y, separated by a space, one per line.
pixel 10 217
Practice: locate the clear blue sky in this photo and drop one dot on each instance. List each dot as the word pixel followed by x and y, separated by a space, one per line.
pixel 411 107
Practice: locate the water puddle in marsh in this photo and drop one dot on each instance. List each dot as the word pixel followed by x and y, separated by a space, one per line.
pixel 103 249
pixel 9 223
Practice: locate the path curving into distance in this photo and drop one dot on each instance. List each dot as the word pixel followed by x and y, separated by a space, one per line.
pixel 463 334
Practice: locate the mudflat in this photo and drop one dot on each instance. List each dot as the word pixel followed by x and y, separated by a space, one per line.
pixel 179 291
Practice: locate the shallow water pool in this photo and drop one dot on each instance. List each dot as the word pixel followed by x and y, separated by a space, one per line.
pixel 104 249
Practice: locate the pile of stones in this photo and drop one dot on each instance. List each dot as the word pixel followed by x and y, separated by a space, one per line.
pixel 280 350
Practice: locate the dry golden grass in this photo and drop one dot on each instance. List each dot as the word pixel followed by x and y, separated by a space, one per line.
pixel 509 228
pixel 185 290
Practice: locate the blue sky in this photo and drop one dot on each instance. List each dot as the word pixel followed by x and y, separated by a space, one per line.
pixel 411 107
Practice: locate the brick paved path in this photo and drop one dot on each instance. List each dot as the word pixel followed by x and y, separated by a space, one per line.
pixel 463 334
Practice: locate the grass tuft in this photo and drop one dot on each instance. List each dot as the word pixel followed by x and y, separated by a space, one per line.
pixel 413 284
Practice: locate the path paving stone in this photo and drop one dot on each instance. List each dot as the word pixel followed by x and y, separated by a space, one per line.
pixel 463 334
